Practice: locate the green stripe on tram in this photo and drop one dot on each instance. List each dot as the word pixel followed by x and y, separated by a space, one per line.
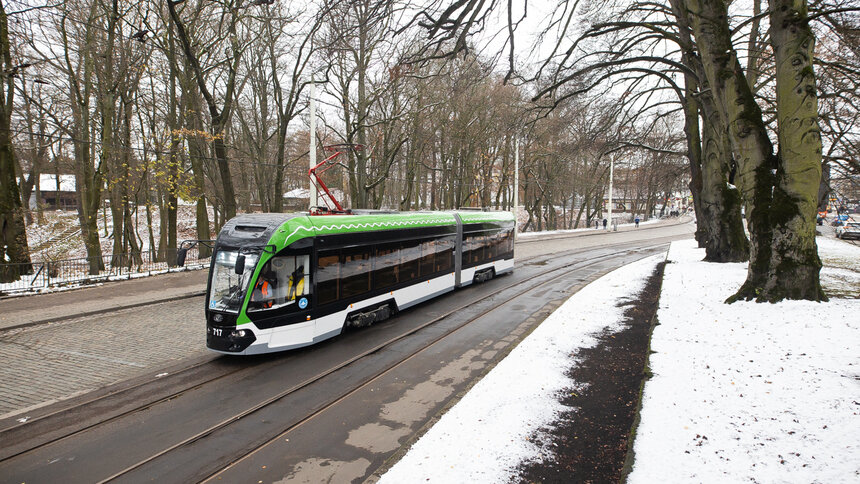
pixel 301 227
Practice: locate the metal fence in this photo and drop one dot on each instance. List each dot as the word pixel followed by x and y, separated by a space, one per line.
pixel 39 275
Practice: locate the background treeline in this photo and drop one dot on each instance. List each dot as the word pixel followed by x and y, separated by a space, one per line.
pixel 152 102
pixel 149 103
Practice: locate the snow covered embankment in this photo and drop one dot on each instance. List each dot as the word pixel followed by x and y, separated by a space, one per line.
pixel 486 435
pixel 752 392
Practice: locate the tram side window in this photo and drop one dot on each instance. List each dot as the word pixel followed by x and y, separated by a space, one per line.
pixel 281 281
pixel 355 272
pixel 328 274
pixel 480 249
pixel 473 249
pixel 386 265
pixel 492 249
pixel 410 258
pixel 428 253
pixel 507 245
pixel 444 254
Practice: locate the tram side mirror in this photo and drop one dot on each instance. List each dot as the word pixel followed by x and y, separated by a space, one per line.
pixel 240 265
pixel 180 256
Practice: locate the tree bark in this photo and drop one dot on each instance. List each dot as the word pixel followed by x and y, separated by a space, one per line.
pixel 13 236
pixel 783 256
pixel 795 265
pixel 88 178
pixel 720 200
pixel 694 154
pixel 718 203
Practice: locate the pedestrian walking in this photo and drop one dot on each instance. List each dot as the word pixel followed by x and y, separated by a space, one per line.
pixel 637 222
pixel 604 224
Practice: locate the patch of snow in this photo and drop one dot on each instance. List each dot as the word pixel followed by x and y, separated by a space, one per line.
pixel 748 392
pixel 741 392
pixel 527 235
pixel 48 183
pixel 486 434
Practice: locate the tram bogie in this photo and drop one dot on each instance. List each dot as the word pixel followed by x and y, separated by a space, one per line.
pixel 283 281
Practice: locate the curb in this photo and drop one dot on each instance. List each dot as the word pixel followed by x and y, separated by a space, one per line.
pixel 102 311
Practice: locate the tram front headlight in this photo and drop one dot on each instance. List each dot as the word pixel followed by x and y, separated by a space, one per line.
pixel 241 333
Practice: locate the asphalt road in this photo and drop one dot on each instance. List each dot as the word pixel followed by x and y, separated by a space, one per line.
pixel 316 433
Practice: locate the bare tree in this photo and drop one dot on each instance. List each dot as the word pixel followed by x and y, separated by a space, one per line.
pixel 13 245
pixel 219 115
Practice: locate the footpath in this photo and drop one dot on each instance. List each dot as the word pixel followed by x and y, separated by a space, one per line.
pixel 21 311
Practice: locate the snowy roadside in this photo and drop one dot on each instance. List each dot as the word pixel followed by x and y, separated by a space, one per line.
pixel 752 392
pixel 746 392
pixel 485 436
pixel 528 235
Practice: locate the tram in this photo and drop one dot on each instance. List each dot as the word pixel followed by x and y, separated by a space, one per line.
pixel 284 281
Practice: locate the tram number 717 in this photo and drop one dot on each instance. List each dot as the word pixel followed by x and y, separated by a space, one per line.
pixel 216 331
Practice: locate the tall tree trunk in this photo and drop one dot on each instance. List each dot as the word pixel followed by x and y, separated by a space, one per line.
pixel 131 239
pixel 13 236
pixel 173 161
pixel 196 155
pixel 783 256
pixel 795 265
pixel 742 115
pixel 694 154
pixel 721 201
pixel 718 205
pixel 88 178
pixel 219 117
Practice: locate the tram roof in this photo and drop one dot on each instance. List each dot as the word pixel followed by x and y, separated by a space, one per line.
pixel 283 229
pixel 369 221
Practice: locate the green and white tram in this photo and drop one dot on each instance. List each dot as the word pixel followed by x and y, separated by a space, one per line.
pixel 283 281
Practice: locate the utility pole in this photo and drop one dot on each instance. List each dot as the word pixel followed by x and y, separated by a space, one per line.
pixel 313 201
pixel 516 183
pixel 611 168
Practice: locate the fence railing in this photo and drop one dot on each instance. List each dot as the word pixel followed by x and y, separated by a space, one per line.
pixel 57 273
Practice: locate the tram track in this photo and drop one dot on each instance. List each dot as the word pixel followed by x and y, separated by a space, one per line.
pixel 224 424
pixel 31 424
pixel 48 419
pixel 403 360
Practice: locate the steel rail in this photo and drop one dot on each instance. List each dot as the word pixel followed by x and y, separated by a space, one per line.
pixel 307 382
pixel 36 444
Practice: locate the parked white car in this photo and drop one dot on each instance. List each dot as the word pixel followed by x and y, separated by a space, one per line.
pixel 849 230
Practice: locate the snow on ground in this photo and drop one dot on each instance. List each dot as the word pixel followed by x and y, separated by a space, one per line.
pixel 840 275
pixel 485 436
pixel 743 392
pixel 526 235
pixel 750 392
pixel 58 237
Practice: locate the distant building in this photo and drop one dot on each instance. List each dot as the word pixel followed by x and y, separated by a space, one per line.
pixel 55 192
pixel 297 200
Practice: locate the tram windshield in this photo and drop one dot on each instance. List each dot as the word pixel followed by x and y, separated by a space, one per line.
pixel 227 289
